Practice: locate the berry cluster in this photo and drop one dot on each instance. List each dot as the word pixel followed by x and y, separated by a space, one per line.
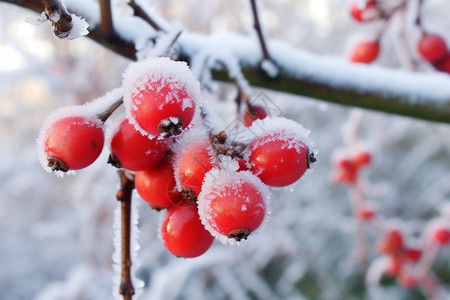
pixel 431 47
pixel 209 185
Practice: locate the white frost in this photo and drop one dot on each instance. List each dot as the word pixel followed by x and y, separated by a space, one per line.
pixel 216 183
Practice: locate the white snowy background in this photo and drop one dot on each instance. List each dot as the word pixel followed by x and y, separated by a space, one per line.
pixel 57 234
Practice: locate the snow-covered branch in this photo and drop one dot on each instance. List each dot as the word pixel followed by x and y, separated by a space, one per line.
pixel 419 95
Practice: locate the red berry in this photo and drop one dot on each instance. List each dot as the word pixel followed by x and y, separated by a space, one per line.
pixel 72 143
pixel 279 154
pixel 133 151
pixel 160 96
pixel 443 65
pixel 232 204
pixel 362 158
pixel 392 243
pixel 252 113
pixel 369 13
pixel 365 52
pixel 192 161
pixel 157 186
pixel 413 254
pixel 182 232
pixel 432 47
pixel 441 236
pixel 366 213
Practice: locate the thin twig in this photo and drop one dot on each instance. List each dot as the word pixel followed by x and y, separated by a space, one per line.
pixel 106 23
pixel 59 17
pixel 257 26
pixel 362 245
pixel 108 112
pixel 138 11
pixel 124 196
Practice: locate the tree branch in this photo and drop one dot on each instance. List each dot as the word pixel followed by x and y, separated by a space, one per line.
pixel 59 17
pixel 124 196
pixel 387 98
pixel 258 29
pixel 138 11
pixel 106 24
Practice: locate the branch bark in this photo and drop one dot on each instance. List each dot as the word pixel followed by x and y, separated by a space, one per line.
pixel 124 196
pixel 389 101
pixel 106 24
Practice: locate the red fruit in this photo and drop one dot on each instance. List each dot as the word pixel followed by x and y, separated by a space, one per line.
pixel 160 95
pixel 157 186
pixel 365 52
pixel 279 154
pixel 432 47
pixel 362 158
pixel 72 143
pixel 192 162
pixel 366 214
pixel 232 204
pixel 369 13
pixel 441 236
pixel 182 232
pixel 392 243
pixel 252 113
pixel 133 151
pixel 413 254
pixel 443 65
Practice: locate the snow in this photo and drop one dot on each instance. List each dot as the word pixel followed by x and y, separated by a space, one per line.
pixel 216 183
pixel 143 74
pixel 432 88
pixel 79 25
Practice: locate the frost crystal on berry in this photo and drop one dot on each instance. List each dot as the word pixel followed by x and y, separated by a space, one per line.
pixel 233 204
pixel 160 96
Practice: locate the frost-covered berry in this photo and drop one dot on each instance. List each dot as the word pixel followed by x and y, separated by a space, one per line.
pixel 441 236
pixel 367 13
pixel 133 151
pixel 232 204
pixel 160 96
pixel 392 243
pixel 413 254
pixel 70 142
pixel 194 157
pixel 432 47
pixel 182 232
pixel 252 113
pixel 157 186
pixel 365 52
pixel 280 153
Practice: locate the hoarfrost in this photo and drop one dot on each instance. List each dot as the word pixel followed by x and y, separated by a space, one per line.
pixel 143 74
pixel 216 183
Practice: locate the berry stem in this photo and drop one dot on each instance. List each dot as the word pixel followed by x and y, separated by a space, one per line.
pixel 106 23
pixel 124 196
pixel 108 111
pixel 54 10
pixel 404 54
pixel 362 246
pixel 138 11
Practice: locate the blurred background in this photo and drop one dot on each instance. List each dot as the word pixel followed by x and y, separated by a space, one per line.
pixel 57 233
